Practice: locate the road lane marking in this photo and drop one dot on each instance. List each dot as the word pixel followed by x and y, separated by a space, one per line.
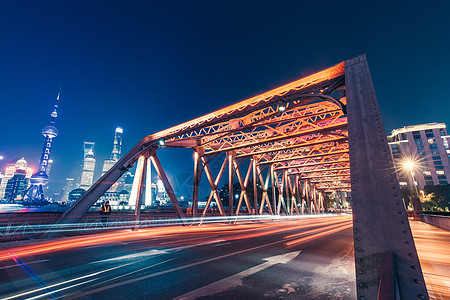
pixel 62 289
pixel 141 269
pixel 152 252
pixel 30 263
pixel 80 278
pixel 222 244
pixel 195 245
pixel 236 279
pixel 33 275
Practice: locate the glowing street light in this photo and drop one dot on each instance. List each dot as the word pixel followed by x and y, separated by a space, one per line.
pixel 281 106
pixel 161 142
pixel 411 165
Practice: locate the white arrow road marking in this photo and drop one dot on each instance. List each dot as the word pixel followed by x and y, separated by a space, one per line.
pixel 236 279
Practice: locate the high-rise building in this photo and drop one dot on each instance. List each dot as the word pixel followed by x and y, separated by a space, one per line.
pixel 11 169
pixel 49 169
pixel 68 187
pixel 421 154
pixel 49 166
pixel 16 186
pixel 115 154
pixel 87 166
pixel 40 178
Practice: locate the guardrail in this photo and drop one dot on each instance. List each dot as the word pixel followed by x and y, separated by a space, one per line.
pixel 435 220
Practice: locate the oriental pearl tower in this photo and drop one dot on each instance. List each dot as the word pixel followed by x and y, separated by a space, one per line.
pixel 35 192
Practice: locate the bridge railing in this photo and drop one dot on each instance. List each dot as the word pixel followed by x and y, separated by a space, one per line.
pixel 436 220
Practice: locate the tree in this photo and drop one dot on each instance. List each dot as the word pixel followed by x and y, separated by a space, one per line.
pixel 437 197
pixel 406 196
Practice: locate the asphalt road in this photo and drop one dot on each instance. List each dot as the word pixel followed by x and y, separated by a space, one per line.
pixel 299 259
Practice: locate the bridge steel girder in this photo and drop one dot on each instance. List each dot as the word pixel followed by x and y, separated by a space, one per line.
pixel 380 223
pixel 326 115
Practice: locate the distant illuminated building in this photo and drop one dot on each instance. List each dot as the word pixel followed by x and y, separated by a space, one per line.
pixel 49 169
pixel 87 166
pixel 75 194
pixel 161 194
pixel 16 186
pixel 123 197
pixel 35 192
pixel 115 154
pixel 128 181
pixel 49 166
pixel 69 186
pixel 11 169
pixel 427 148
pixel 112 195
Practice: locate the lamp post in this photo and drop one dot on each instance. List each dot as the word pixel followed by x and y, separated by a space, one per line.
pixel 409 165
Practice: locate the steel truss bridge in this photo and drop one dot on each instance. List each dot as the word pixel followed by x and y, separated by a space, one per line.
pixel 319 134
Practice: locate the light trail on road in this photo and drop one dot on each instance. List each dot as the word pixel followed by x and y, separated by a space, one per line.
pixel 81 241
pixel 116 224
pixel 148 256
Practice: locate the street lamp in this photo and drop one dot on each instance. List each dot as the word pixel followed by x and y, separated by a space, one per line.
pixel 410 165
pixel 281 106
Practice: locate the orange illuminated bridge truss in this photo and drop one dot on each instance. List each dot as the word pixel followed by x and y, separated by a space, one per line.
pixel 293 138
pixel 282 151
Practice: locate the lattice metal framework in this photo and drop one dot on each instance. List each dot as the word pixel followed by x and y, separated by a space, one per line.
pixel 295 139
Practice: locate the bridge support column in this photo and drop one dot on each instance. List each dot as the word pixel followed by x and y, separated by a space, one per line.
pixel 380 223
pixel 272 178
pixel 148 183
pixel 136 187
pixel 230 182
pixel 197 177
pixel 142 165
pixel 255 190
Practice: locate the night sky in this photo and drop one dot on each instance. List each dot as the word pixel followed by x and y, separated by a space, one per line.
pixel 149 65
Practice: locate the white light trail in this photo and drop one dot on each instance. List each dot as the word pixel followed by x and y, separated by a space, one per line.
pixel 120 225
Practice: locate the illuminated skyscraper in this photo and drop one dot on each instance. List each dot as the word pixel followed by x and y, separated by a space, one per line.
pixel 68 187
pixel 117 149
pixel 11 169
pixel 16 186
pixel 87 166
pixel 40 178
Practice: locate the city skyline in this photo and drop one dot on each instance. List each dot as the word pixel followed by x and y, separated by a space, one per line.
pixel 129 72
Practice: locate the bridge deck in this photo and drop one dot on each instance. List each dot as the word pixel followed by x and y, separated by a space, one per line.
pixel 433 248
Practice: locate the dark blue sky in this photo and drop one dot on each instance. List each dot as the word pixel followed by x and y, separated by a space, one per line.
pixel 150 65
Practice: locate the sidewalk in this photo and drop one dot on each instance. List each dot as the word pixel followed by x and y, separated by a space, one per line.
pixel 433 247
